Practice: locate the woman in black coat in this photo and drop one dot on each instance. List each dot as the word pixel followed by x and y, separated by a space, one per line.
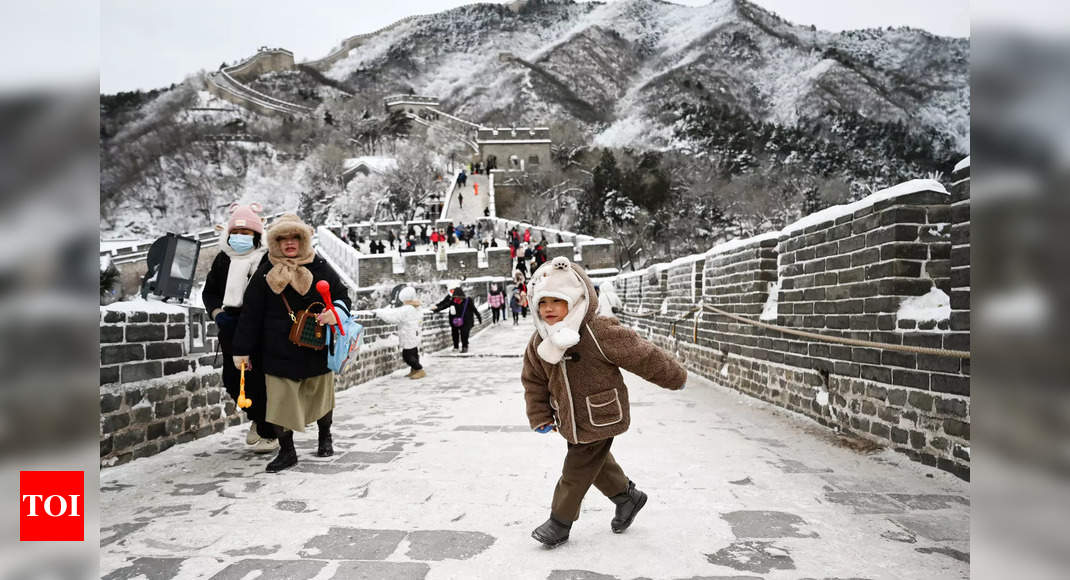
pixel 240 254
pixel 463 308
pixel 300 387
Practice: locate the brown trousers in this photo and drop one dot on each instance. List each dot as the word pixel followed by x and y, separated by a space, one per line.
pixel 586 464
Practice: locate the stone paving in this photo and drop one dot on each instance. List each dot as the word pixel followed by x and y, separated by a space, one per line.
pixel 441 478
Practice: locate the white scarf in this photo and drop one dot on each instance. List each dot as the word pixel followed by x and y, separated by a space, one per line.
pixel 242 267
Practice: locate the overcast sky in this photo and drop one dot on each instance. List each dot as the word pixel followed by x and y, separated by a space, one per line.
pixel 146 44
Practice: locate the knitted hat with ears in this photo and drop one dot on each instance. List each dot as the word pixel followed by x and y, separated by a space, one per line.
pixel 245 216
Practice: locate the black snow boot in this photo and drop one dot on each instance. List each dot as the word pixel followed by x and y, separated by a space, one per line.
pixel 553 532
pixel 628 504
pixel 326 444
pixel 287 454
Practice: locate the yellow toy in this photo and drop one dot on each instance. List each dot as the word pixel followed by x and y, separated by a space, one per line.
pixel 243 401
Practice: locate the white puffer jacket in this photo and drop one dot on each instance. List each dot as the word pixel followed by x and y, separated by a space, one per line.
pixel 608 300
pixel 408 318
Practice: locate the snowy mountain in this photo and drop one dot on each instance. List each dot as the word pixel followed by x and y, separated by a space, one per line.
pixel 613 67
pixel 639 74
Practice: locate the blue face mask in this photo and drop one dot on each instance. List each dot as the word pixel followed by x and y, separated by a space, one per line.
pixel 241 242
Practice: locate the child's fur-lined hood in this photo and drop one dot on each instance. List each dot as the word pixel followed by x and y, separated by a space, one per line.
pixel 561 278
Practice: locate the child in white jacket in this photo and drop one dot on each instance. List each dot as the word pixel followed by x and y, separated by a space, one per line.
pixel 407 317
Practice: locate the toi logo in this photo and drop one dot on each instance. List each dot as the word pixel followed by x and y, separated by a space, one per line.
pixel 51 506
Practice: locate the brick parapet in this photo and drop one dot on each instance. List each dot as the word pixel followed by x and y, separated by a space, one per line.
pixel 160 386
pixel 847 276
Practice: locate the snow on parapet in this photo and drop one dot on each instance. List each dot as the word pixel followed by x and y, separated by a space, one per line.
pixel 139 304
pixel 731 245
pixel 961 165
pixel 686 260
pixel 836 211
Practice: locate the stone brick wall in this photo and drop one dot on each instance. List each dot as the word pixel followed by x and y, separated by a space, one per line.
pixel 157 387
pixel 463 263
pixel 844 273
pixel 137 346
pixel 372 270
pixel 598 256
pixel 368 271
pixel 262 62
pixel 160 386
pixel 524 143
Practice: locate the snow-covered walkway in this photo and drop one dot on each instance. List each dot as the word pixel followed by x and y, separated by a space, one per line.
pixel 441 478
pixel 471 206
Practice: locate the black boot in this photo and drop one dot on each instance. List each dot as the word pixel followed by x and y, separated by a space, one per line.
pixel 553 532
pixel 287 454
pixel 326 446
pixel 628 504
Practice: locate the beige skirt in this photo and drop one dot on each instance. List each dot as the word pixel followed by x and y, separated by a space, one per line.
pixel 293 404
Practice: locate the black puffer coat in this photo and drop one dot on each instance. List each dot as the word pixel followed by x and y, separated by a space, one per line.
pixel 469 312
pixel 265 323
pixel 215 288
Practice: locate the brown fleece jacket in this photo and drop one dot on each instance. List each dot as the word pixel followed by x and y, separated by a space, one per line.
pixel 584 394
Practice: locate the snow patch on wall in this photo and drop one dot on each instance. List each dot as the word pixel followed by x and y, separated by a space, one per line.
pixel 935 305
pixel 770 308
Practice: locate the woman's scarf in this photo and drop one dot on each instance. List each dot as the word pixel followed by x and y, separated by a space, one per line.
pixel 290 270
pixel 242 267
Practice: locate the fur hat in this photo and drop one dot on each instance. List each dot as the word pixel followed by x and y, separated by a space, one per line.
pixel 558 279
pixel 286 225
pixel 290 270
pixel 245 216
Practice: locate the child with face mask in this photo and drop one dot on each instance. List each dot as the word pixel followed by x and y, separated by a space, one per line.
pixel 241 252
pixel 573 385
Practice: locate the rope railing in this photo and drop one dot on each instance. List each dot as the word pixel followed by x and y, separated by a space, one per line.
pixel 803 333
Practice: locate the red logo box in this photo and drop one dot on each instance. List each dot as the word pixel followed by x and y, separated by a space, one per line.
pixel 52 506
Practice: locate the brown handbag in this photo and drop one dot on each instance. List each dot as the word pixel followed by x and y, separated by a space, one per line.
pixel 305 331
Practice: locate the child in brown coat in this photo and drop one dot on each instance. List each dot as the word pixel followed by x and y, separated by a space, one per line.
pixel 573 385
